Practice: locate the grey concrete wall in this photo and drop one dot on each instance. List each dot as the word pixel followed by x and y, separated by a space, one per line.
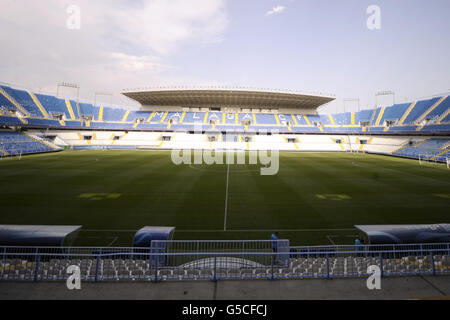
pixel 391 288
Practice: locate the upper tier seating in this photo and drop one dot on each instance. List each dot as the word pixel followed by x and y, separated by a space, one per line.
pixel 436 116
pixel 53 105
pixel 25 100
pixel 5 104
pixel 113 114
pixel 394 113
pixel 10 121
pixel 363 116
pixel 342 118
pixel 89 110
pixel 265 119
pixel 419 109
pixel 440 109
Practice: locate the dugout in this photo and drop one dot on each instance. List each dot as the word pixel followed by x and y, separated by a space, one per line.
pixel 145 236
pixel 406 234
pixel 38 236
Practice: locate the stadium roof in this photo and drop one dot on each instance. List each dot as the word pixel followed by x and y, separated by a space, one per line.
pixel 227 97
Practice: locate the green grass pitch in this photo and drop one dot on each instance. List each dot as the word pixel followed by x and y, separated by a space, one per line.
pixel 316 198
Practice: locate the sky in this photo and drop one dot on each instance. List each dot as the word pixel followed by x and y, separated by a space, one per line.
pixel 320 46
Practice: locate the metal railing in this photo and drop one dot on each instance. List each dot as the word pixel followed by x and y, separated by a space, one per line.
pixel 112 264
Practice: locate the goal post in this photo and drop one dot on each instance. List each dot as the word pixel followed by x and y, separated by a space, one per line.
pixel 424 159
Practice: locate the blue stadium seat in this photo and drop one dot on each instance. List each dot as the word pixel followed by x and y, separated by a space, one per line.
pixel 436 128
pixel 300 120
pixel 313 118
pixel 419 109
pixel 24 99
pixel 403 129
pixel 245 117
pixel 269 128
pixel 112 118
pixel 10 121
pixel 88 110
pixel 428 150
pixel 342 119
pixel 73 124
pixel 74 109
pixel 53 105
pixel 174 116
pixel 216 117
pixel 325 119
pixel 48 123
pixel 5 104
pixel 16 143
pixel 194 117
pixel 394 113
pixel 265 119
pixel 446 119
pixel 230 118
pixel 310 129
pixel 113 114
pixel 363 116
pixel 440 109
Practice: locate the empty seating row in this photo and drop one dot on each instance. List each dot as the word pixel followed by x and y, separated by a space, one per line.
pixel 427 150
pixel 403 118
pixel 14 143
pixel 135 269
pixel 24 99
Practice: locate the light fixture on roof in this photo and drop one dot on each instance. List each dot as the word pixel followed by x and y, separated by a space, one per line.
pixel 72 86
pixel 384 93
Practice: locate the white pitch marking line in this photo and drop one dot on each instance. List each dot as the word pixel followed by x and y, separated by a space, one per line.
pixel 114 240
pixel 226 199
pixel 329 238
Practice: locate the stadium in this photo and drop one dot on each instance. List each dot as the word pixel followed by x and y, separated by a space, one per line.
pixel 211 182
pixel 126 157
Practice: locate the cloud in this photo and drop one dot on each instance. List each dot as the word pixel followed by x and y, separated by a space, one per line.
pixel 121 43
pixel 130 63
pixel 277 9
pixel 163 25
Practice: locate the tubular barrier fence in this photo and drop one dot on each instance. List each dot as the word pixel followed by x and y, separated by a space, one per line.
pixel 204 261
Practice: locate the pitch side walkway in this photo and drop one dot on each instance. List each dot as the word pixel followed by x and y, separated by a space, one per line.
pixel 391 288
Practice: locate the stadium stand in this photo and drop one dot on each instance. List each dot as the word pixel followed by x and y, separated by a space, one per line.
pixel 394 113
pixel 88 110
pixel 7 104
pixel 342 119
pixel 113 114
pixel 114 118
pixel 14 143
pixel 317 262
pixel 54 105
pixel 363 116
pixel 419 109
pixel 428 149
pixel 436 110
pixel 25 100
pixel 10 121
pixel 265 119
pixel 20 108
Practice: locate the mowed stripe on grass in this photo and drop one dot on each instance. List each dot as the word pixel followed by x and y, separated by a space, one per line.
pixel 311 191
